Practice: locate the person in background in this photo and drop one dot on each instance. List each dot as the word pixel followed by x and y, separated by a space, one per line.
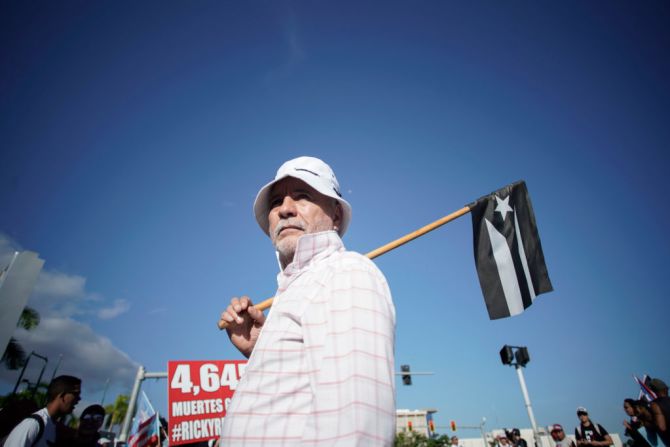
pixel 455 442
pixel 589 433
pixel 558 438
pixel 660 409
pixel 517 440
pixel 503 441
pixel 90 422
pixel 633 426
pixel 39 429
pixel 643 413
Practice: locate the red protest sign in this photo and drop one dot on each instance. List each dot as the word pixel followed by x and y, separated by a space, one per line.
pixel 199 393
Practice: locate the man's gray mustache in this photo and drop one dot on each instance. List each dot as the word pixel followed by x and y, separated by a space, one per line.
pixel 289 223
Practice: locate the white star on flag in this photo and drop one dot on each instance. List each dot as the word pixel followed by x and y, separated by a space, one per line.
pixel 502 206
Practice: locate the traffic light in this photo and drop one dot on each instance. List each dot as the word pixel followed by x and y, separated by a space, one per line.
pixel 522 356
pixel 452 424
pixel 409 425
pixel 431 426
pixel 406 378
pixel 506 355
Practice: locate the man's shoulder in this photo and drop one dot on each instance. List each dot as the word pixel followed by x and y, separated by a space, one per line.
pixel 35 418
pixel 352 260
pixel 43 412
pixel 29 428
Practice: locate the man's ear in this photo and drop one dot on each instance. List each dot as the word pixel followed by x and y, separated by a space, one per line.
pixel 337 214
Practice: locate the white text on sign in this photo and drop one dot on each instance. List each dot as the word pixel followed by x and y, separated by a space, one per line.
pixel 210 379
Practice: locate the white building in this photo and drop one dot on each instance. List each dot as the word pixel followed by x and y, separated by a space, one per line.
pixel 418 421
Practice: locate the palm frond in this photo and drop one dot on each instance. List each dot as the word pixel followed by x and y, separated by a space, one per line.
pixel 29 318
pixel 14 356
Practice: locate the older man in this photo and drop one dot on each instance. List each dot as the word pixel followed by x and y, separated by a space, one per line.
pixel 320 368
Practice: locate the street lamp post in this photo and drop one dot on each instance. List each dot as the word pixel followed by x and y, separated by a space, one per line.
pixel 60 359
pixel 25 365
pixel 39 379
pixel 518 357
pixel 104 393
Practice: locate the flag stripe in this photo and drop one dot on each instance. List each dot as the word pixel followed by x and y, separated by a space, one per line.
pixel 644 389
pixel 505 263
pixel 524 260
pixel 146 429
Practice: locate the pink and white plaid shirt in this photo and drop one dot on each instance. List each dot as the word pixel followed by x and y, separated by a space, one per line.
pixel 321 372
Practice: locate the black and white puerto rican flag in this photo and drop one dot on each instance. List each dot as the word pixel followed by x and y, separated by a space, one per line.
pixel 508 253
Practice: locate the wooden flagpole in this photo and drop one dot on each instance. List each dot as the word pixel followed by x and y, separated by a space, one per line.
pixel 383 249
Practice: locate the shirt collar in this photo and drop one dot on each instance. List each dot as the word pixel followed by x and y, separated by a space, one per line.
pixel 311 248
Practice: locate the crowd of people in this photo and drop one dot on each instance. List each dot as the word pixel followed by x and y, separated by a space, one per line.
pixel 648 423
pixel 23 424
pixel 646 427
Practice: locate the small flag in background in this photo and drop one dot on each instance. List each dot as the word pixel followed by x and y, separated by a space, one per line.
pixel 508 253
pixel 145 430
pixel 645 391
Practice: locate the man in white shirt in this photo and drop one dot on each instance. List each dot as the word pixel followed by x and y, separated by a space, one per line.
pixel 39 429
pixel 320 368
pixel 558 437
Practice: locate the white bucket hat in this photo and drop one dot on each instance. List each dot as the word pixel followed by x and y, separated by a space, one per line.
pixel 316 174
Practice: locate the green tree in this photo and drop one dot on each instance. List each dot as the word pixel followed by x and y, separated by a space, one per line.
pixel 38 396
pixel 117 410
pixel 14 356
pixel 414 439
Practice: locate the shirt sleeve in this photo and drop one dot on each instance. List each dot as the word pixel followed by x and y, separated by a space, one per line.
pixel 349 333
pixel 24 434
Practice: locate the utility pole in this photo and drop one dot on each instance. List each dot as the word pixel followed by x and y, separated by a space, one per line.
pixel 104 393
pixel 60 359
pixel 141 375
pixel 518 357
pixel 39 379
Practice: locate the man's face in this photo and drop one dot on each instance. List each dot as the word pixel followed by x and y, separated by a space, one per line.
pixel 69 400
pixel 558 435
pixel 583 417
pixel 454 440
pixel 297 209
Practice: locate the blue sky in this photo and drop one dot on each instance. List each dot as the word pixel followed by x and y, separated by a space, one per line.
pixel 134 137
